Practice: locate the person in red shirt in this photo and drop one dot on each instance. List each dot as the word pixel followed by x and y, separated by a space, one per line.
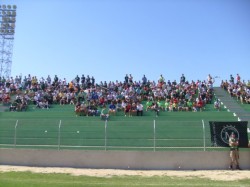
pixel 127 109
pixel 200 105
pixel 101 101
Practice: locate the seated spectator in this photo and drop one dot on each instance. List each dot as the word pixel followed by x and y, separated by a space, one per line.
pixel 127 109
pixel 133 109
pixel 189 105
pixel 112 108
pixel 200 105
pixel 13 106
pixel 148 104
pixel 6 98
pixel 123 105
pixel 119 106
pixel 170 108
pixel 43 104
pixel 101 102
pixel 180 105
pixel 161 105
pixel 167 104
pixel 92 109
pixel 217 104
pixel 80 109
pixel 174 106
pixel 194 107
pixel 104 113
pixel 139 108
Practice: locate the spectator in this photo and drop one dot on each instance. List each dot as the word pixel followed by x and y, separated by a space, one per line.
pixel 155 107
pixel 217 104
pixel 182 79
pixel 104 113
pixel 112 108
pixel 234 152
pixel 139 108
pixel 127 109
pixel 148 104
pixel 144 80
pixel 238 78
pixel 231 79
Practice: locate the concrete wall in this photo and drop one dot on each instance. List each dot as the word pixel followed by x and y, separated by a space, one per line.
pixel 171 160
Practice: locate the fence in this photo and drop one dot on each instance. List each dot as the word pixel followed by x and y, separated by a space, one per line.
pixel 152 135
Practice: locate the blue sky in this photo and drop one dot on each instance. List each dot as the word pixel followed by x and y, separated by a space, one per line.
pixel 110 38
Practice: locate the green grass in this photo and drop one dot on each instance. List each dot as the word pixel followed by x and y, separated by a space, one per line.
pixel 27 179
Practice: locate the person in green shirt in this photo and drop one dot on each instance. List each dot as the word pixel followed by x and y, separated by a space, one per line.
pixel 189 105
pixel 167 103
pixel 161 104
pixel 104 113
pixel 148 104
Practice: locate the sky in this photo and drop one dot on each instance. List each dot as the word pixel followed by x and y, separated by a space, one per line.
pixel 108 39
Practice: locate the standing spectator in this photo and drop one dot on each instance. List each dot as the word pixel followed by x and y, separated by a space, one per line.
pixel 83 79
pixel 144 80
pixel 161 79
pixel 93 81
pixel 231 79
pixel 238 78
pixel 77 79
pixel 29 80
pixel 130 79
pixel 182 79
pixel 55 80
pixel 48 80
pixel 126 79
pixel 88 81
pixel 209 78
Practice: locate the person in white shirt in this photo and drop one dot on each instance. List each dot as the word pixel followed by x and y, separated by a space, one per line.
pixel 217 104
pixel 139 108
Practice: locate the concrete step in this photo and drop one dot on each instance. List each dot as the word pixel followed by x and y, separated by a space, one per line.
pixel 231 104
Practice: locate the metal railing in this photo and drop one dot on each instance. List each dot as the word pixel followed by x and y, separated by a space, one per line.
pixel 151 135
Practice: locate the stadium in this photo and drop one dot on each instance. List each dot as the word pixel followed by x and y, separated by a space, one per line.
pixel 129 124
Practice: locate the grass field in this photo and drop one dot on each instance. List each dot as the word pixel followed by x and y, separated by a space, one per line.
pixel 28 179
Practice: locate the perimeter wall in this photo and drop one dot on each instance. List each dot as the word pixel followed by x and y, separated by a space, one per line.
pixel 169 160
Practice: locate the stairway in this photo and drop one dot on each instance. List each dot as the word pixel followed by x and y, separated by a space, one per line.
pixel 231 104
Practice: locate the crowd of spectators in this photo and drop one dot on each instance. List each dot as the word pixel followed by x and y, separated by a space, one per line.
pixel 89 98
pixel 237 88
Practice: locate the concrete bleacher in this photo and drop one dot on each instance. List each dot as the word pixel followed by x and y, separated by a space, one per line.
pixel 232 105
pixel 123 130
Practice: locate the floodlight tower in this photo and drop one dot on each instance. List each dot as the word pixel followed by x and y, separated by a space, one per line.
pixel 7 31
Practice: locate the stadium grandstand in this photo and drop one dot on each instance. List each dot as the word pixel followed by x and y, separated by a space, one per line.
pixel 146 114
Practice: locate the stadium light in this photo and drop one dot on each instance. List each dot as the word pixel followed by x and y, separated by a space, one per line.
pixel 7 31
pixel 8 19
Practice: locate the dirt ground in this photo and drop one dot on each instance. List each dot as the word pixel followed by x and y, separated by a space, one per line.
pixel 223 175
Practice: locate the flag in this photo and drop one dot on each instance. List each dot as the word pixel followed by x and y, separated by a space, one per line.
pixel 221 131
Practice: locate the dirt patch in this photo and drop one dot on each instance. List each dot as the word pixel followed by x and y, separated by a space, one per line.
pixel 223 175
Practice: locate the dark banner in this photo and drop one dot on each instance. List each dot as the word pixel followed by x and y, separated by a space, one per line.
pixel 220 132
